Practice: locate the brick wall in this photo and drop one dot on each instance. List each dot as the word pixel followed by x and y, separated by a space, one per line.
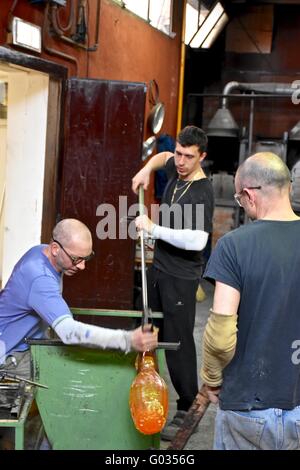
pixel 223 222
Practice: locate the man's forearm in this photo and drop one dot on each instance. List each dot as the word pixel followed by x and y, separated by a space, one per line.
pixel 71 331
pixel 158 161
pixel 219 342
pixel 185 239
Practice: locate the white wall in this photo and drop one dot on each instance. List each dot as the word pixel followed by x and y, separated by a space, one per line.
pixel 26 138
pixel 3 125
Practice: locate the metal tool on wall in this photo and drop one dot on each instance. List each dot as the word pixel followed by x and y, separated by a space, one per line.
pixel 16 378
pixel 157 114
pixel 147 314
pixel 148 147
pixel 14 395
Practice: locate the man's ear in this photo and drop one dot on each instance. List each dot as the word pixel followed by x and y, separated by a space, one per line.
pixel 202 156
pixel 250 195
pixel 54 249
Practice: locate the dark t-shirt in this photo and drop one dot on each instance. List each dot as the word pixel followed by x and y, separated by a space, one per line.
pixel 192 209
pixel 262 261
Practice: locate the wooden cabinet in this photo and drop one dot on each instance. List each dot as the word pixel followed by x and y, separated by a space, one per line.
pixel 103 143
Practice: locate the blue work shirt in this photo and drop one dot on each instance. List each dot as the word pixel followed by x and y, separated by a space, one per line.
pixel 30 301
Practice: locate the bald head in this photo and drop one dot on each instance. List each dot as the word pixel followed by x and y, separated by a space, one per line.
pixel 70 247
pixel 263 169
pixel 72 231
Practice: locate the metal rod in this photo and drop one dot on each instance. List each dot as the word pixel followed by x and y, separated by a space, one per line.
pixel 143 260
pixel 241 95
pixel 4 374
pixel 168 346
pixel 54 342
pixel 145 317
pixel 251 120
pixel 191 420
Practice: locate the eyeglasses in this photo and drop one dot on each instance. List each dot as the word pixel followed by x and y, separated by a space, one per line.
pixel 237 196
pixel 75 259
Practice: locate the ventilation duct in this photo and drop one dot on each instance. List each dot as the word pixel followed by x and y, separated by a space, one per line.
pixel 223 123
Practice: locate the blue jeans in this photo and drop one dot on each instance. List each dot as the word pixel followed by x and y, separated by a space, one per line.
pixel 269 429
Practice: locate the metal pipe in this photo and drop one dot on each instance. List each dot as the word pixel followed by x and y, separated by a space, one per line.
pixel 4 374
pixel 237 95
pixel 58 342
pixel 51 51
pixel 181 71
pixel 10 14
pixel 251 120
pixel 143 259
pixel 70 41
pixel 57 53
pixel 71 19
pixel 60 33
pixel 191 420
pixel 228 87
pixel 264 88
pixel 168 346
pixel 95 46
pixel 146 310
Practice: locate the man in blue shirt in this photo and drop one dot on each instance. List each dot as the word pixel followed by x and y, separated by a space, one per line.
pixel 32 300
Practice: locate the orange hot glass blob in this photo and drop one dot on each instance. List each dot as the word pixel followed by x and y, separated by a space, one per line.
pixel 148 398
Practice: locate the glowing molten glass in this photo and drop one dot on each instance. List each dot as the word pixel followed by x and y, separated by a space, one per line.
pixel 148 398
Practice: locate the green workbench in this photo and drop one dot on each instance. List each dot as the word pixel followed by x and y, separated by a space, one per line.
pixel 86 405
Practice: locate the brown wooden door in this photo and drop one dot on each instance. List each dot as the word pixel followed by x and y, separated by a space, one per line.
pixel 103 142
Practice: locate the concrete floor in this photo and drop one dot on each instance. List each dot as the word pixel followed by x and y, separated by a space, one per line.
pixel 203 438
